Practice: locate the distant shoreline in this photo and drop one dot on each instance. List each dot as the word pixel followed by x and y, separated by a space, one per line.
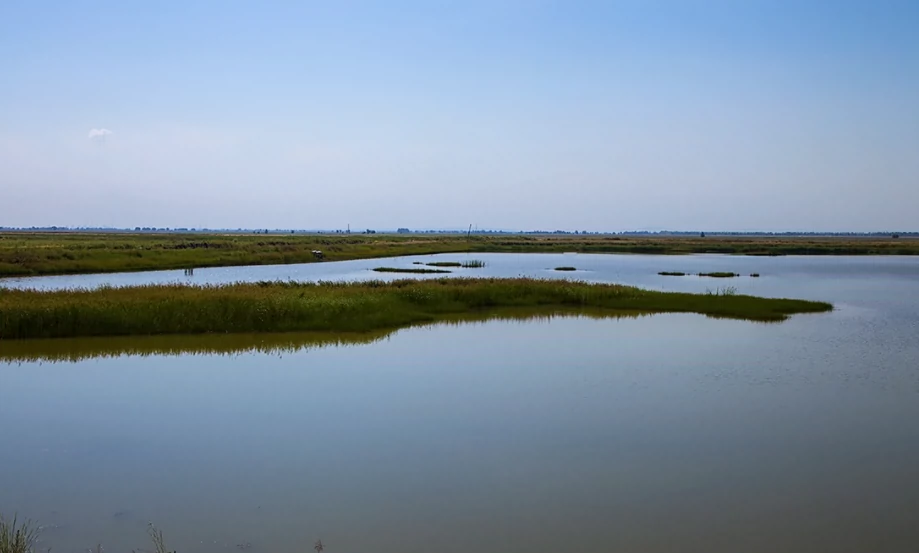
pixel 57 253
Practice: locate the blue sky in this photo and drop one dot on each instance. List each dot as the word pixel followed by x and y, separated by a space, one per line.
pixel 741 115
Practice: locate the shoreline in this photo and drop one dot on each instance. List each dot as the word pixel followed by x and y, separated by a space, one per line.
pixel 46 254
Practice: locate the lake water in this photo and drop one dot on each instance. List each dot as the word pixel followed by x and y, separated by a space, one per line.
pixel 637 434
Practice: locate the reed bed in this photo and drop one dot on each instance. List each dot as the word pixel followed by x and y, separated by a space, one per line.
pixel 473 264
pixel 338 307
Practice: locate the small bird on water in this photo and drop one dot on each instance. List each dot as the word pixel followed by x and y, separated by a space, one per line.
pixel 318 546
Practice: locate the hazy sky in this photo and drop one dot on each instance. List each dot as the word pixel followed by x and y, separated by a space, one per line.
pixel 743 115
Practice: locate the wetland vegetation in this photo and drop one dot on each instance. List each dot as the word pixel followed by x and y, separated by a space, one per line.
pixel 340 307
pixel 566 268
pixel 17 536
pixel 32 254
pixel 408 270
pixel 720 274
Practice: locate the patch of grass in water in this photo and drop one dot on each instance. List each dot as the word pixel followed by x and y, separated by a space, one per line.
pixel 444 264
pixel 719 275
pixel 473 264
pixel 340 307
pixel 566 269
pixel 671 273
pixel 416 271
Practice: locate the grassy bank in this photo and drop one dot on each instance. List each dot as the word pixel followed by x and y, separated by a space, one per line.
pixel 24 254
pixel 339 307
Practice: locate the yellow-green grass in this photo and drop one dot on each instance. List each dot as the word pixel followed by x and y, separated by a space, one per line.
pixel 24 254
pixel 340 307
pixel 17 536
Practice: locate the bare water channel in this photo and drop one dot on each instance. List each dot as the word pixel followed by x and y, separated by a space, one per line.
pixel 635 434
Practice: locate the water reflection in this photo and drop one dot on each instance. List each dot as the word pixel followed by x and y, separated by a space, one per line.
pixel 72 350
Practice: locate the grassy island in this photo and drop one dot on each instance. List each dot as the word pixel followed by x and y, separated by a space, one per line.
pixel 409 270
pixel 341 307
pixel 720 274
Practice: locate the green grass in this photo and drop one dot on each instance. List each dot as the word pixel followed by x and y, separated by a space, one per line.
pixel 26 254
pixel 719 275
pixel 339 307
pixel 17 537
pixel 473 264
pixel 416 271
pixel 671 273
pixel 566 269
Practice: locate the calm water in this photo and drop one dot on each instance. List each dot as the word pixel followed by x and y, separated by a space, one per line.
pixel 651 434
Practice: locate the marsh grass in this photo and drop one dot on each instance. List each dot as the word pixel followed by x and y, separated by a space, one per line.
pixel 339 307
pixel 156 536
pixel 566 269
pixel 26 253
pixel 16 536
pixel 415 271
pixel 473 264
pixel 671 273
pixel 444 264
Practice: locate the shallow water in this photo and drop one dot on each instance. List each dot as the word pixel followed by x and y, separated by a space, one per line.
pixel 648 434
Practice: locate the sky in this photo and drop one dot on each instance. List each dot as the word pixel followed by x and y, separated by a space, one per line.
pixel 746 115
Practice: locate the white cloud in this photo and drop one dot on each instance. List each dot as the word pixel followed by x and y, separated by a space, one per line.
pixel 99 133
